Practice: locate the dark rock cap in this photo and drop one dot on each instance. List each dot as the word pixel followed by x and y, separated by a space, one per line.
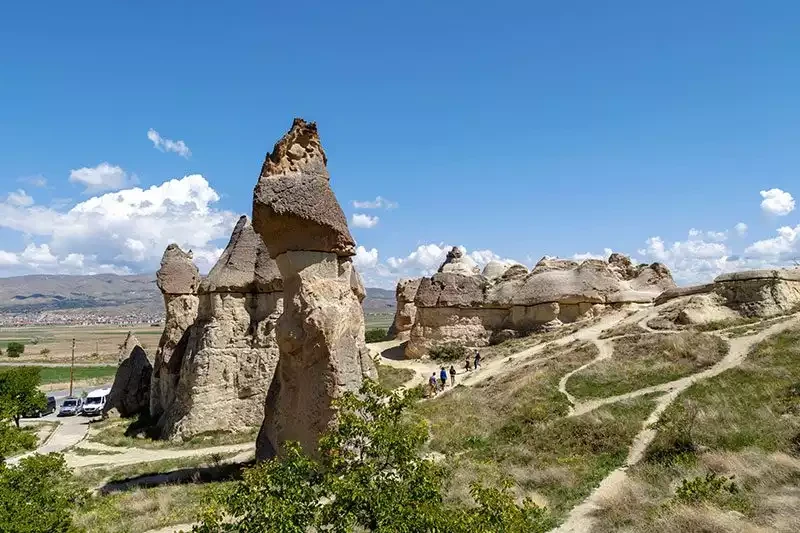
pixel 235 270
pixel 178 273
pixel 294 208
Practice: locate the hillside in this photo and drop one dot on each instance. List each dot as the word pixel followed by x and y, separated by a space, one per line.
pixel 109 295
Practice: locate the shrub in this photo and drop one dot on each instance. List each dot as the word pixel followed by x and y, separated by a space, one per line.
pixel 704 488
pixel 38 495
pixel 676 442
pixel 15 349
pixel 375 335
pixel 448 352
pixel 44 351
pixel 13 440
pixel 19 392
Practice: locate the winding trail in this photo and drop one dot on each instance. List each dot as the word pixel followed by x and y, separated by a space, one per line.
pixel 131 456
pixel 580 519
pixel 604 352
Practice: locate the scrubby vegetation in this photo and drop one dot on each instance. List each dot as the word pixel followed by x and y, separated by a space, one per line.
pixel 369 476
pixel 392 377
pixel 139 433
pixel 15 349
pixel 516 427
pixel 618 331
pixel 448 352
pixel 645 360
pixel 375 335
pixel 726 456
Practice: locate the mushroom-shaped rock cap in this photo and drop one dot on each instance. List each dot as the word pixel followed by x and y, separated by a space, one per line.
pixel 178 274
pixel 294 208
pixel 458 263
pixel 235 270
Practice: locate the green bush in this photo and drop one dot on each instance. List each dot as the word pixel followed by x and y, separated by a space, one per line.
pixel 375 335
pixel 704 488
pixel 368 475
pixel 38 496
pixel 15 349
pixel 13 440
pixel 448 352
pixel 19 392
pixel 44 351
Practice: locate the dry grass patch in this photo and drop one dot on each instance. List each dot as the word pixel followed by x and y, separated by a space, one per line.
pixel 514 426
pixel 645 360
pixel 392 377
pixel 627 329
pixel 743 423
pixel 513 346
pixel 133 433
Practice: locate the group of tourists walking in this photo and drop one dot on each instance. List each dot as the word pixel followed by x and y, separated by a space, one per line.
pixel 438 385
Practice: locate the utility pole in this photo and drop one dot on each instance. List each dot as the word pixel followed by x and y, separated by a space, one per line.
pixel 72 367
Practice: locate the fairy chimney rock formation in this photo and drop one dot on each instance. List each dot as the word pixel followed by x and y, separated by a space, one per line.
pixel 321 331
pixel 231 352
pixel 406 311
pixel 130 393
pixel 178 279
pixel 458 263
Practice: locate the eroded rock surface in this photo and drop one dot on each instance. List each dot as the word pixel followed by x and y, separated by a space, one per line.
pixel 473 309
pixel 457 263
pixel 231 350
pixel 405 312
pixel 321 331
pixel 178 279
pixel 130 393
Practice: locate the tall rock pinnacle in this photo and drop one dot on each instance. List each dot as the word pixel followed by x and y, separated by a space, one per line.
pixel 321 331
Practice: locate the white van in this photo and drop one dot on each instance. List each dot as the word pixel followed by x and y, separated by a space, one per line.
pixel 95 401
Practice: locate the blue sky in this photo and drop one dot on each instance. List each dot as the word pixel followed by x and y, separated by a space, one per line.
pixel 514 129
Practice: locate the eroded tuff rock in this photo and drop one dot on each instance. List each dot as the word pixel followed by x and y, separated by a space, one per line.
pixel 321 331
pixel 231 350
pixel 751 293
pixel 457 263
pixel 473 309
pixel 406 311
pixel 178 279
pixel 130 393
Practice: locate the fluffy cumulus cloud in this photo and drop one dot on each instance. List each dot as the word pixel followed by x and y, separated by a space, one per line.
pixel 361 220
pixel 103 177
pixel 777 202
pixel 589 255
pixel 378 203
pixel 741 229
pixel 783 247
pixel 366 259
pixel 124 231
pixel 168 145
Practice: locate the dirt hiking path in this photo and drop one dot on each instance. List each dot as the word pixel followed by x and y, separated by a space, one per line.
pixel 580 519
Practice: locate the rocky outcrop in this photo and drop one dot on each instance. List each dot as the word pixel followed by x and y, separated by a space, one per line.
pixel 406 311
pixel 495 269
pixel 231 350
pixel 458 263
pixel 130 393
pixel 321 331
pixel 473 309
pixel 178 279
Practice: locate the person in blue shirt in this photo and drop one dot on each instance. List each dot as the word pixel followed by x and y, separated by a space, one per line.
pixel 443 378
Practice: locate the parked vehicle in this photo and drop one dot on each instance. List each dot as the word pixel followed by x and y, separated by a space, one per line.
pixel 70 407
pixel 49 408
pixel 95 401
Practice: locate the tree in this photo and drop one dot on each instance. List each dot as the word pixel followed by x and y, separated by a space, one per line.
pixel 15 349
pixel 38 495
pixel 367 475
pixel 19 392
pixel 13 439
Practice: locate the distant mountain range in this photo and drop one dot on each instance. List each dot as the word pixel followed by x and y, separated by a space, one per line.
pixel 104 293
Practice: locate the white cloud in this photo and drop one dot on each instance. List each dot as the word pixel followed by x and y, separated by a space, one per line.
pixel 34 181
pixel 741 229
pixel 20 198
pixel 8 258
pixel 168 145
pixel 777 202
pixel 589 255
pixel 378 203
pixel 103 177
pixel 365 259
pixel 785 244
pixel 124 231
pixel 361 220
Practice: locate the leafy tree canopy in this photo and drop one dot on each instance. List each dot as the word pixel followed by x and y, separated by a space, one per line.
pixel 19 392
pixel 367 474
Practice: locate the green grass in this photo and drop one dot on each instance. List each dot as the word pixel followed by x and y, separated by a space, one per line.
pixel 743 422
pixel 645 360
pixel 112 433
pixel 94 476
pixel 514 426
pixel 141 510
pixel 60 374
pixel 378 320
pixel 392 377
